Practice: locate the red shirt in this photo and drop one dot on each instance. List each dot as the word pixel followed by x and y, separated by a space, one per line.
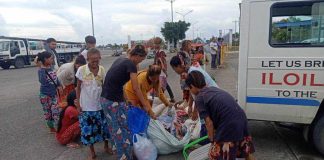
pixel 70 117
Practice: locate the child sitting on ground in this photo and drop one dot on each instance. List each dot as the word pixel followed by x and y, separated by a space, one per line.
pixel 68 128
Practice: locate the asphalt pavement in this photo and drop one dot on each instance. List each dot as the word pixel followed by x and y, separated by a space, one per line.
pixel 23 133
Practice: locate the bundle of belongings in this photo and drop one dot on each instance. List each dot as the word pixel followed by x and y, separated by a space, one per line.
pixel 173 129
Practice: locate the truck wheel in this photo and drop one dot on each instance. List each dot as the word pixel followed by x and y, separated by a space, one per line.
pixel 318 135
pixel 6 65
pixel 68 58
pixel 19 63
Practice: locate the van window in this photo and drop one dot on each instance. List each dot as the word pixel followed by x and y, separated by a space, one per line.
pixel 296 24
pixel 22 44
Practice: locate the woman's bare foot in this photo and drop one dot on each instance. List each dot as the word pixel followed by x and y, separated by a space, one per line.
pixel 73 145
pixel 109 150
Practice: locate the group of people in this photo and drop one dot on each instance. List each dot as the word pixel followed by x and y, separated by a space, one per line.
pixel 97 101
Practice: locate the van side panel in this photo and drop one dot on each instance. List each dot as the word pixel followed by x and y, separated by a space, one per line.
pixel 282 83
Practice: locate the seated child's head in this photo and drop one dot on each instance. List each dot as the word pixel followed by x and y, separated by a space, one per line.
pixel 71 98
pixel 93 57
pixel 195 81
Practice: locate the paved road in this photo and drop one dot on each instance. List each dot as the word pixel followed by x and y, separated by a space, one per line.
pixel 23 133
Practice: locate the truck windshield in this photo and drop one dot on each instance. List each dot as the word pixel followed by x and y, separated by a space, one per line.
pixel 297 23
pixel 4 46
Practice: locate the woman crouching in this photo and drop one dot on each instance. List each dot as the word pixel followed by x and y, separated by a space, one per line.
pixel 225 120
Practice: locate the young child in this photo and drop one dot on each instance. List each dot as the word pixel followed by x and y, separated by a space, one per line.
pixel 48 89
pixel 93 123
pixel 68 128
pixel 225 120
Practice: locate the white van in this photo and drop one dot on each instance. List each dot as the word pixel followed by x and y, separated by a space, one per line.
pixel 281 63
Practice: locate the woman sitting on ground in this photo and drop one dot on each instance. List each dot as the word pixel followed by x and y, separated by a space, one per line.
pixel 147 80
pixel 68 130
pixel 225 120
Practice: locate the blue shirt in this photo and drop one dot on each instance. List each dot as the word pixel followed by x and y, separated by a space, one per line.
pixel 209 81
pixel 47 86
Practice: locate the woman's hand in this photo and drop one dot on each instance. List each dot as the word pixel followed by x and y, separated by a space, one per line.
pixel 152 115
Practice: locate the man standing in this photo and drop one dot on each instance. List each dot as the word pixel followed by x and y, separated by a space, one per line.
pixel 50 46
pixel 90 43
pixel 213 51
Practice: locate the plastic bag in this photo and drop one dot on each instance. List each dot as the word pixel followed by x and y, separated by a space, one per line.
pixel 195 127
pixel 144 149
pixel 138 120
pixel 164 141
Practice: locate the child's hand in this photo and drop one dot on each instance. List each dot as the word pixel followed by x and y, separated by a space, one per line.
pixel 60 89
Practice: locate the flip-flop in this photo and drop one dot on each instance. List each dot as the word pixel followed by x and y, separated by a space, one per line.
pixel 73 145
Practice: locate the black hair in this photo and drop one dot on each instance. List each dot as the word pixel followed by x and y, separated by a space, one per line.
pixel 42 56
pixel 49 40
pixel 138 50
pixel 176 61
pixel 70 103
pixel 196 79
pixel 80 60
pixel 90 39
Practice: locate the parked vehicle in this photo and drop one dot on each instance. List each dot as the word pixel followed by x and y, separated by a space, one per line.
pixel 117 52
pixel 280 80
pixel 22 51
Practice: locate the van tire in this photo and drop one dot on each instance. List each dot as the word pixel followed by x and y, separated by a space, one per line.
pixel 68 58
pixel 318 135
pixel 6 65
pixel 19 63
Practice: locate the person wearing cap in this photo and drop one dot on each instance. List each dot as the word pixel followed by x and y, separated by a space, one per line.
pixel 90 43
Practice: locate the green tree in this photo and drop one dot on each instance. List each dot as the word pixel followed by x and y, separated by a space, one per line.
pixel 173 32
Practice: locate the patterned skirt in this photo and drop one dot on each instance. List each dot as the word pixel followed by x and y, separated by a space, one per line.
pixel 93 126
pixel 231 150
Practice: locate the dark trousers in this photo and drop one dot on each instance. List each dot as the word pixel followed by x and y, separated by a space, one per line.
pixel 213 60
pixel 218 58
pixel 169 91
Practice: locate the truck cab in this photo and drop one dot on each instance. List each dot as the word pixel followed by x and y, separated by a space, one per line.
pixel 281 63
pixel 12 52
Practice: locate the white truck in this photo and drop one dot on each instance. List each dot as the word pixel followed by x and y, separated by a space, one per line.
pixel 22 51
pixel 281 63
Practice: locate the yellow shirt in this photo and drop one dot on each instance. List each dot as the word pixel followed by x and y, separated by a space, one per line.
pixel 145 87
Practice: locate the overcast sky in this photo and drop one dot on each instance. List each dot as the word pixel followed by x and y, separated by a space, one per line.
pixel 70 20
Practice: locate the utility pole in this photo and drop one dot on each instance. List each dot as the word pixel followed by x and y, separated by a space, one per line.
pixel 236 21
pixel 171 9
pixel 92 18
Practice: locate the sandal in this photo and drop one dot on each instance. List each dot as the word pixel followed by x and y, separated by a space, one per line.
pixel 73 145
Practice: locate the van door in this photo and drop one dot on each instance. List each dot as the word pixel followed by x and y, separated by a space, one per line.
pixel 285 63
pixel 22 46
